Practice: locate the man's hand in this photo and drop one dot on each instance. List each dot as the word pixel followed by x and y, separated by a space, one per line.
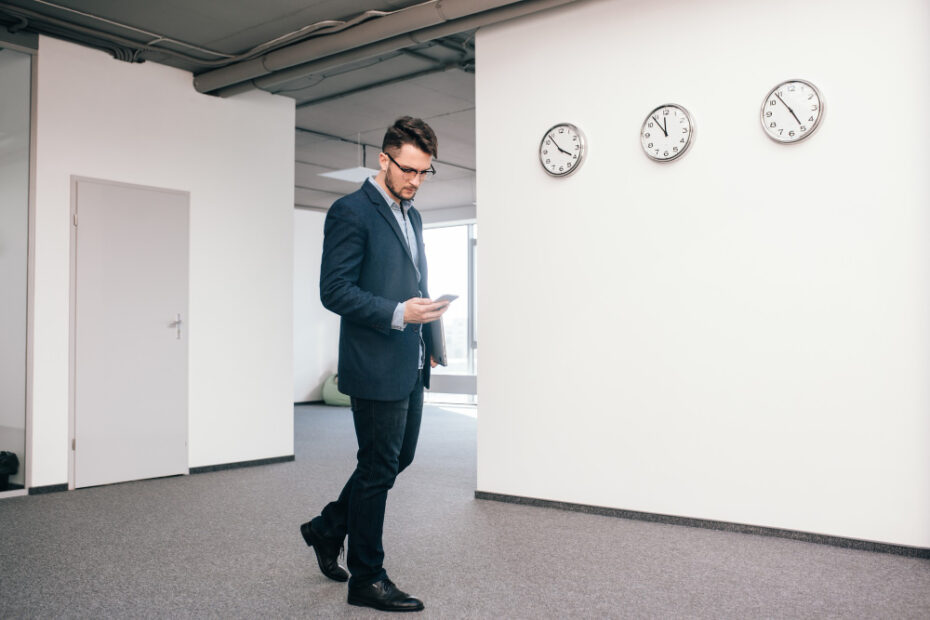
pixel 432 362
pixel 423 310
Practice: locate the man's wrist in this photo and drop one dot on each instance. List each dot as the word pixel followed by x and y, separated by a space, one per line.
pixel 397 322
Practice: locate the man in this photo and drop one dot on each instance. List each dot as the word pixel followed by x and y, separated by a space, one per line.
pixel 373 275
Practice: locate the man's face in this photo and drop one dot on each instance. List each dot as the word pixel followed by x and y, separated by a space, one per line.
pixel 403 185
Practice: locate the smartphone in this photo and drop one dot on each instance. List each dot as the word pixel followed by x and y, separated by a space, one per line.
pixel 446 298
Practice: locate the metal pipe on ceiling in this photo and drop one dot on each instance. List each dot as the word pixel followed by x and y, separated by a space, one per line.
pixel 412 25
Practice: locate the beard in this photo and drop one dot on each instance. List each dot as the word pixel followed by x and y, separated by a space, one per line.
pixel 401 190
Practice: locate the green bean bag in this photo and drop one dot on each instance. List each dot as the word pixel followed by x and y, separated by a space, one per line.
pixel 332 395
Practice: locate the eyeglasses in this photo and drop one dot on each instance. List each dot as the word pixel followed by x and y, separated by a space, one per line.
pixel 412 172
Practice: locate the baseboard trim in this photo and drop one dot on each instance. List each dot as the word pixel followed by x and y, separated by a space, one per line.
pixel 224 466
pixel 310 402
pixel 821 539
pixel 52 488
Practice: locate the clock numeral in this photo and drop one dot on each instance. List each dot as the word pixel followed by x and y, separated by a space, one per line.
pixel 773 101
pixel 561 130
pixel 803 128
pixel 814 108
pixel 772 124
pixel 781 131
pixel 665 112
pixel 811 119
pixel 768 114
pixel 682 140
pixel 791 133
pixel 569 164
pixel 548 161
pixel 545 152
pixel 649 125
pixel 647 135
pixel 649 146
pixel 675 149
pixel 684 130
pixel 665 154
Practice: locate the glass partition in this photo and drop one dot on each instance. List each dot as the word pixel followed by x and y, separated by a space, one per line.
pixel 452 269
pixel 15 90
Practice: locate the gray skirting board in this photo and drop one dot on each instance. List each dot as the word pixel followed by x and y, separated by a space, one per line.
pixel 52 488
pixel 835 541
pixel 224 466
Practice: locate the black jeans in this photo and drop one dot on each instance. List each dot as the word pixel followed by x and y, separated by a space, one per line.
pixel 387 433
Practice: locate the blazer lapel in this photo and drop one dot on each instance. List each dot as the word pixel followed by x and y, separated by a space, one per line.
pixel 385 211
pixel 417 224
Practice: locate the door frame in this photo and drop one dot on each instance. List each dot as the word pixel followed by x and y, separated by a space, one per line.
pixel 72 310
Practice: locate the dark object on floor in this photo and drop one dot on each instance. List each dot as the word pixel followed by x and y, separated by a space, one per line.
pixel 9 465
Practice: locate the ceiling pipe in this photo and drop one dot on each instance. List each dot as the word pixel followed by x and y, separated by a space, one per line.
pixel 394 80
pixel 412 25
pixel 417 37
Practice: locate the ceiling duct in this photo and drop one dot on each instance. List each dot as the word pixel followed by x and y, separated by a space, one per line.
pixel 402 28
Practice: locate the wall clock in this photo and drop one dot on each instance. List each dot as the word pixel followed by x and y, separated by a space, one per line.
pixel 562 149
pixel 792 111
pixel 667 132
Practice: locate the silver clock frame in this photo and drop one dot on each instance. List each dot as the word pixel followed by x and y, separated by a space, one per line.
pixel 807 134
pixel 581 155
pixel 678 155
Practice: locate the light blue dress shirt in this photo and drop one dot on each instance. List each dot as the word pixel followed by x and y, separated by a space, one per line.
pixel 400 214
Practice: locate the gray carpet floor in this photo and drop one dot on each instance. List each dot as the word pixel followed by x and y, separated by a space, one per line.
pixel 226 545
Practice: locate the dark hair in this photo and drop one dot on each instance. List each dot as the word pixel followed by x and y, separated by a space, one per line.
pixel 414 131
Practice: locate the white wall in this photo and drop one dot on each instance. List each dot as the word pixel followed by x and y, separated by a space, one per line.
pixel 145 124
pixel 743 334
pixel 316 329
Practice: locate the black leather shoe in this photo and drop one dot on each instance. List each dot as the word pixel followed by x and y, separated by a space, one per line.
pixel 385 596
pixel 327 553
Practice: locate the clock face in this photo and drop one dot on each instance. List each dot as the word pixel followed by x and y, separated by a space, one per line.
pixel 792 111
pixel 667 132
pixel 561 150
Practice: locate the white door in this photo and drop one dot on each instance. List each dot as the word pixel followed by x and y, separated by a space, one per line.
pixel 130 332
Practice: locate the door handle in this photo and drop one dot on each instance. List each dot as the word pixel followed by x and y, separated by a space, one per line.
pixel 177 324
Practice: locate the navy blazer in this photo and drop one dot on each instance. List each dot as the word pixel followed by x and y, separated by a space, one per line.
pixel 366 271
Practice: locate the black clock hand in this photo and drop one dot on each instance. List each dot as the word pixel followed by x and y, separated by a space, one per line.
pixel 789 109
pixel 557 145
pixel 660 126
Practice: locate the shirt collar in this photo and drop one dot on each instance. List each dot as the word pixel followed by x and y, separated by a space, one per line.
pixel 404 204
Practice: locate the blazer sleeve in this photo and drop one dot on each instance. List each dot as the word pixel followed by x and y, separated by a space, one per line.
pixel 344 243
